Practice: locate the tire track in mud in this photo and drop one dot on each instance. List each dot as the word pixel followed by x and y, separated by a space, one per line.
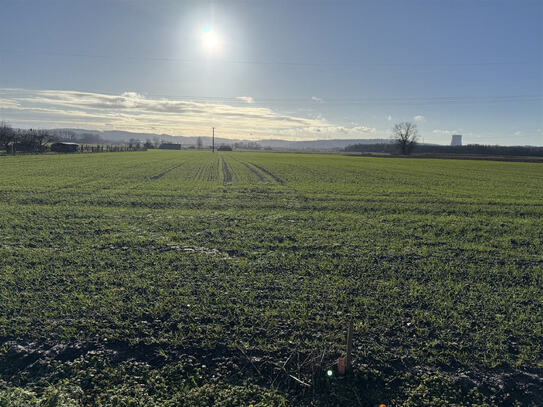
pixel 269 173
pixel 226 171
pixel 261 177
pixel 160 175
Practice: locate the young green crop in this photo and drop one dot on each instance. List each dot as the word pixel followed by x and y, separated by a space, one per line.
pixel 170 277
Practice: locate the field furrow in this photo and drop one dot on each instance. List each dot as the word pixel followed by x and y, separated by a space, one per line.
pixel 269 173
pixel 260 176
pixel 161 174
pixel 227 174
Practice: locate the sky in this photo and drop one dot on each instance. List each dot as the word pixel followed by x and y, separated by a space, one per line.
pixel 284 69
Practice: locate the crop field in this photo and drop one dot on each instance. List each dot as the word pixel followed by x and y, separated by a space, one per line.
pixel 187 278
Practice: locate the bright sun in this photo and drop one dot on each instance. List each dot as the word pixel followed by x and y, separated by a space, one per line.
pixel 210 40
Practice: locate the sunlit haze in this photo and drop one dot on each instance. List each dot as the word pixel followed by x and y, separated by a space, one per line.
pixel 294 70
pixel 210 40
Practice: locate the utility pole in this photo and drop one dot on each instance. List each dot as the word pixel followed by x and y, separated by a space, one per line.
pixel 213 140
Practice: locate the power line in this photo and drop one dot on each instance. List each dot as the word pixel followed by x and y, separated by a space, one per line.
pixel 256 62
pixel 439 99
pixel 335 101
pixel 325 100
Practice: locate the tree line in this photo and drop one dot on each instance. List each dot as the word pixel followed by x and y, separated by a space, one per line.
pixel 405 142
pixel 476 149
pixel 38 141
pixel 23 140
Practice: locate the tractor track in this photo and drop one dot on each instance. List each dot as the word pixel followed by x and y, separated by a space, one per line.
pixel 261 177
pixel 226 171
pixel 269 173
pixel 160 175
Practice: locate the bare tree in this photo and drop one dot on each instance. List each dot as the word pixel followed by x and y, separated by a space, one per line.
pixel 405 135
pixel 7 135
pixel 64 135
pixel 42 137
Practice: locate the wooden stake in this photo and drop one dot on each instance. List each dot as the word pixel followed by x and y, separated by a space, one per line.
pixel 341 366
pixel 349 344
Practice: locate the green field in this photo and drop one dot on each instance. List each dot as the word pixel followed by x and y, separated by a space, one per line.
pixel 191 278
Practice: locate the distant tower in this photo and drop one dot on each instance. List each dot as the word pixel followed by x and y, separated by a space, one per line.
pixel 456 140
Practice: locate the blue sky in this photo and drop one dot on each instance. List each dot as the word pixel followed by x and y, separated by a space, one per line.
pixel 295 69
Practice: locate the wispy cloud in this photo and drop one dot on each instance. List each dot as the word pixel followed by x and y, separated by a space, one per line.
pixel 317 99
pixel 441 132
pixel 389 118
pixel 8 103
pixel 246 99
pixel 338 131
pixel 419 118
pixel 135 112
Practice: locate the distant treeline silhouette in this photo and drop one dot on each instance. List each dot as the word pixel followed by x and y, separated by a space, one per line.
pixel 14 141
pixel 478 149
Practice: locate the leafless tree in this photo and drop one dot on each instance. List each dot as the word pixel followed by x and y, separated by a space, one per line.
pixel 42 137
pixel 65 135
pixel 405 135
pixel 33 140
pixel 7 135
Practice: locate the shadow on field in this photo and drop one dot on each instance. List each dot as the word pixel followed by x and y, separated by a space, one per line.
pixel 302 379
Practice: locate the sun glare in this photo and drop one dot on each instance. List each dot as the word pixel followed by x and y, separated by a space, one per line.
pixel 210 41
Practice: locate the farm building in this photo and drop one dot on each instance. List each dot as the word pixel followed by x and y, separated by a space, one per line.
pixel 170 146
pixel 64 147
pixel 27 147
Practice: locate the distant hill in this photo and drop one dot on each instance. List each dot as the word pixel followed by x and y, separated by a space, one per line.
pixel 117 136
pixel 332 144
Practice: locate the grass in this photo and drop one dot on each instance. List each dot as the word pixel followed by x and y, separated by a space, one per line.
pixel 192 278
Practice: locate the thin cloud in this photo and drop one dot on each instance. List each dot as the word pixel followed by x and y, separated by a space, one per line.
pixel 246 99
pixel 442 132
pixel 389 118
pixel 339 131
pixel 419 118
pixel 7 103
pixel 317 99
pixel 133 111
